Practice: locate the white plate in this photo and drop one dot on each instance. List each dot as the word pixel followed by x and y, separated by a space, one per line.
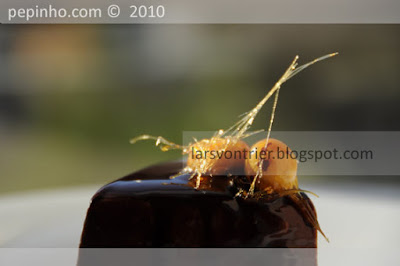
pixel 362 222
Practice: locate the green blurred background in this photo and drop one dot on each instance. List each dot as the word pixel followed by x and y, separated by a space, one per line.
pixel 71 96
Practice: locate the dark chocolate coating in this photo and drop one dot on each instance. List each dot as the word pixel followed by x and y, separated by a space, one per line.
pixel 148 209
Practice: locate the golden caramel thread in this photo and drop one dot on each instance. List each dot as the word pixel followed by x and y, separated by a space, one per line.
pixel 290 72
pixel 238 130
pixel 164 144
pixel 260 167
pixel 298 199
pixel 308 211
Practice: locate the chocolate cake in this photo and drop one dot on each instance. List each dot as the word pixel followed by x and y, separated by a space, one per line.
pixel 148 209
pixel 216 201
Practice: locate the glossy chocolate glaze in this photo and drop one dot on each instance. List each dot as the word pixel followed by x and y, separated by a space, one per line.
pixel 148 209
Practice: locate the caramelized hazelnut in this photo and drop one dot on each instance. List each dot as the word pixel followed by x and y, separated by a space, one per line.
pixel 278 169
pixel 218 156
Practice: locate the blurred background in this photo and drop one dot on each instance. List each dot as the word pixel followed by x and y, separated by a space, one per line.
pixel 71 96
